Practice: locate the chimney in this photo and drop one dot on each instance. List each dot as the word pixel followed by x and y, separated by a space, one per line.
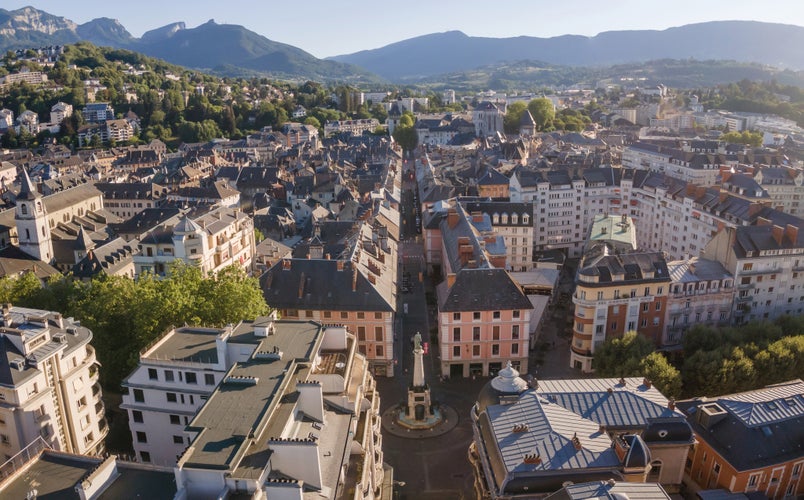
pixel 340 265
pixel 671 404
pixel 791 232
pixel 762 221
pixel 534 459
pixel 646 382
pixel 778 234
pixel 286 264
pixel 477 217
pixel 691 189
pixel 311 400
pixel 700 191
pixel 354 279
pixel 722 196
pixel 452 218
pixel 576 442
pixel 754 209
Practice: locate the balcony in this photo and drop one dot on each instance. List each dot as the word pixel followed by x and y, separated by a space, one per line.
pixel 100 410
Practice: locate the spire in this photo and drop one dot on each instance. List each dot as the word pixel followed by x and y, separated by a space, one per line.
pixel 27 189
pixel 83 241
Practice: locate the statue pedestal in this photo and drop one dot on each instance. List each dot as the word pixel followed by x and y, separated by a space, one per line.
pixel 419 405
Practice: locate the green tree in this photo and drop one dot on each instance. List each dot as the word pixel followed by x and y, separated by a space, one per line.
pixel 622 357
pixel 513 115
pixel 664 376
pixel 405 132
pixel 543 113
pixel 312 120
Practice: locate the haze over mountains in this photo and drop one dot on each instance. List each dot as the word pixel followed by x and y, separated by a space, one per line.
pixel 233 50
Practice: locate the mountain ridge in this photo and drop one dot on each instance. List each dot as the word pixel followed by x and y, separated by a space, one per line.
pixel 452 51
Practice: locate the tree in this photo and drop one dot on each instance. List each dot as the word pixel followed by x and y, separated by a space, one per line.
pixel 513 115
pixel 405 132
pixel 622 357
pixel 543 113
pixel 312 120
pixel 664 376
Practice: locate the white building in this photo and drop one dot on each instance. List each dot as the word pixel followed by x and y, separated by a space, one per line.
pixel 28 121
pixel 6 118
pixel 213 241
pixel 295 414
pixel 174 378
pixel 60 111
pixel 50 387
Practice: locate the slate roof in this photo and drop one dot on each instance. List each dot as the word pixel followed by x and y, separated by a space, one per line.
pixel 610 490
pixel 486 289
pixel 109 258
pixel 633 266
pixel 696 269
pixel 493 178
pixel 759 428
pixel 629 405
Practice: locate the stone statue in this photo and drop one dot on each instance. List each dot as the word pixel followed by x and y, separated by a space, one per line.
pixel 417 341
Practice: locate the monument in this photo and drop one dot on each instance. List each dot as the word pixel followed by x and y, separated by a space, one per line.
pixel 419 413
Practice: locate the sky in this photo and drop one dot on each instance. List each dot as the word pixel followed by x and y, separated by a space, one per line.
pixel 333 27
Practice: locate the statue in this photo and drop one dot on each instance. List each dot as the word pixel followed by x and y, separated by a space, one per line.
pixel 417 341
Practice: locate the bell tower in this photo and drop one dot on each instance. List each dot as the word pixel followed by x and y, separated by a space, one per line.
pixel 33 233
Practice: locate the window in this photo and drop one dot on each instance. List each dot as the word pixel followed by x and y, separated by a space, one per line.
pixel 168 375
pixel 515 332
pixel 476 316
pixel 645 307
pixel 658 306
pixel 209 379
pixel 174 419
pixel 190 378
pixel 614 326
pixel 456 334
pixel 753 480
pixel 377 315
pixel 495 349
pixel 178 440
pixel 475 350
pixel 171 397
pixel 655 321
pixel 599 295
pixel 361 315
pixel 152 374
pixel 643 324
pixel 456 316
pixel 633 293
pixel 796 470
pixel 516 314
pixel 599 329
pixel 476 333
pixel 139 396
pixel 136 416
pixel 496 315
pixel 514 349
pixel 456 351
pixel 378 334
pixel 344 315
pixel 142 437
pixel 145 457
pixel 647 291
pixel 361 333
pixel 380 351
pixel 495 332
pixel 327 314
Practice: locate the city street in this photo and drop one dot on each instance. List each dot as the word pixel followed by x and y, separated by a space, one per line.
pixel 437 467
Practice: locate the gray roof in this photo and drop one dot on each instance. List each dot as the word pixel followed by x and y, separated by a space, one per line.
pixel 758 428
pixel 486 289
pixel 610 490
pixel 696 269
pixel 627 406
pixel 193 344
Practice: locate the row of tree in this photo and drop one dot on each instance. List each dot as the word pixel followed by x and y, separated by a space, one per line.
pixel 713 361
pixel 126 315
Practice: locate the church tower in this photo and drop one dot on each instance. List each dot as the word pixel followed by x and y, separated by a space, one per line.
pixel 33 233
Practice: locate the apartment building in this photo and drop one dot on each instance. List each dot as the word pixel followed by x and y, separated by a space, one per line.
pixel 348 280
pixel 174 377
pixel 213 241
pixel 616 291
pixel 127 199
pixel 295 416
pixel 749 442
pixel 701 293
pixel 512 221
pixel 767 262
pixel 49 387
pixel 478 329
pixel 783 185
pixel 352 127
pixel 60 111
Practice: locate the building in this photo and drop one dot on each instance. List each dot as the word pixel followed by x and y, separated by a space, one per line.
pixel 512 221
pixel 39 471
pixel 750 442
pixel 353 127
pixel 767 262
pixel 28 122
pixel 30 216
pixel 213 241
pixel 24 75
pixel 60 111
pixel 349 281
pixel 128 199
pixel 493 184
pixel 618 290
pixel 478 329
pixel 49 384
pixel 6 118
pixel 529 440
pixel 173 379
pixel 610 490
pixel 488 119
pixel 296 415
pixel 701 293
pixel 97 112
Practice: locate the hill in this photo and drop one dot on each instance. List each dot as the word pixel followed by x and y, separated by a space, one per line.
pixel 454 51
pixel 219 48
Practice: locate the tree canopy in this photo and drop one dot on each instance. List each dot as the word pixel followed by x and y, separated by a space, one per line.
pixel 405 133
pixel 126 315
pixel 543 113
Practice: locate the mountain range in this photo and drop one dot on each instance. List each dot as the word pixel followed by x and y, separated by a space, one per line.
pixel 218 48
pixel 232 50
pixel 745 41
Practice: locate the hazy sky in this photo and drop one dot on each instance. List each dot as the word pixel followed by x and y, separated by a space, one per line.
pixel 331 27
